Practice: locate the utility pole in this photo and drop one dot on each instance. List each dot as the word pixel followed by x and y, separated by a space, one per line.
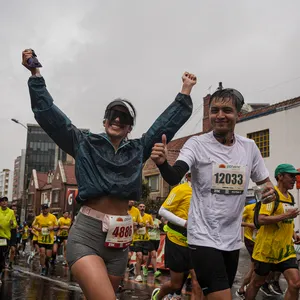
pixel 24 194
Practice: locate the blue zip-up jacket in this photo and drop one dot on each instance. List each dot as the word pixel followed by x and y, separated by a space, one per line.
pixel 100 169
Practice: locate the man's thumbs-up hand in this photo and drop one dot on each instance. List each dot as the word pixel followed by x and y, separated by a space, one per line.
pixel 159 151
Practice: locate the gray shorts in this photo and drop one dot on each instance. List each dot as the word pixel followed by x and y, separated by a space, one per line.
pixel 87 238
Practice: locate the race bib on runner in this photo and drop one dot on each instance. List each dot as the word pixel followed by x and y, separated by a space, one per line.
pixel 45 231
pixel 3 242
pixel 64 233
pixel 141 231
pixel 153 235
pixel 228 179
pixel 119 234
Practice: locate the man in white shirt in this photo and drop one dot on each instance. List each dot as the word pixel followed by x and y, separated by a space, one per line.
pixel 221 164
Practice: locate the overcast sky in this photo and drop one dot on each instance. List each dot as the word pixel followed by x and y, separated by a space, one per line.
pixel 95 51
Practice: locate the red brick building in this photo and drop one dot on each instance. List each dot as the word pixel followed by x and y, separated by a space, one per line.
pixel 56 188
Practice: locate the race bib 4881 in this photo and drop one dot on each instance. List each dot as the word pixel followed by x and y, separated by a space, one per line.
pixel 228 179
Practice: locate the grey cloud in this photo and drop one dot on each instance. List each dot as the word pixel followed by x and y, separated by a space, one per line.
pixel 95 51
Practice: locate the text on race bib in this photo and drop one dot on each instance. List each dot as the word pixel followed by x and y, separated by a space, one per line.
pixel 141 231
pixel 228 179
pixel 119 234
pixel 3 242
pixel 45 231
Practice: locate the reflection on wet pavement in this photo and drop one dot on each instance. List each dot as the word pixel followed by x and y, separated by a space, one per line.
pixel 25 283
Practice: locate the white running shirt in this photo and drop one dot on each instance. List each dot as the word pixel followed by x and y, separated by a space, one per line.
pixel 220 179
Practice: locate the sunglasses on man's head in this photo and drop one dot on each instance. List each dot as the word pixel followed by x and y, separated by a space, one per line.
pixel 124 117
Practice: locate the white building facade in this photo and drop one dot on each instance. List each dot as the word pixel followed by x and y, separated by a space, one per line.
pixel 4 183
pixel 18 176
pixel 277 135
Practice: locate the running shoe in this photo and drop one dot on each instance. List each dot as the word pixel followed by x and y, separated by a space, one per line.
pixel 240 295
pixel 265 289
pixel 139 278
pixel 275 288
pixel 131 268
pixel 155 293
pixel 145 271
pixel 157 274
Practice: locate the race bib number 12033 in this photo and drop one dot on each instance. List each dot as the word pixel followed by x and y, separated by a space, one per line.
pixel 228 179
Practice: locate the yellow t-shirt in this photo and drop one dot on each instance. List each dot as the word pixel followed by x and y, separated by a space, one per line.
pixel 45 235
pixel 25 233
pixel 6 216
pixel 142 233
pixel 274 242
pixel 248 217
pixel 135 214
pixel 64 222
pixel 178 203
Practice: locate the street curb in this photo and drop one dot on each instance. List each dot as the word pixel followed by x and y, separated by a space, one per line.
pixel 57 282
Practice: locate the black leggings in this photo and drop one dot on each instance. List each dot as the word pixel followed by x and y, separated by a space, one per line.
pixel 215 269
pixel 3 254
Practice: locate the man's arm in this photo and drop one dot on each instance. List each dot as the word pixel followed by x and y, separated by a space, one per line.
pixel 13 222
pixel 55 123
pixel 269 194
pixel 34 225
pixel 173 174
pixel 166 214
pixel 55 223
pixel 173 118
pixel 260 175
pixel 266 219
pixel 170 205
pixel 250 225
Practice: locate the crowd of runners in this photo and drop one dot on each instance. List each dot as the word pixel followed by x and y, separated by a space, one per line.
pixel 202 217
pixel 43 237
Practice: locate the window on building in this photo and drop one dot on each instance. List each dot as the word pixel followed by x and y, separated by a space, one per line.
pixel 44 198
pixel 262 140
pixel 30 199
pixel 55 196
pixel 153 182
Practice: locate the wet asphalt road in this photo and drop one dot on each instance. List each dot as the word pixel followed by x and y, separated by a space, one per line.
pixel 25 283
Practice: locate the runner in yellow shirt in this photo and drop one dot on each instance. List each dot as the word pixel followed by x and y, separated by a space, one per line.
pixel 7 222
pixel 274 248
pixel 154 234
pixel 45 224
pixel 141 242
pixel 25 236
pixel 175 209
pixel 33 243
pixel 64 224
pixel 136 218
pixel 249 239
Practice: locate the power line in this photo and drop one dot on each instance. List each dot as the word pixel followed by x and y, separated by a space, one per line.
pixel 275 85
pixel 196 111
